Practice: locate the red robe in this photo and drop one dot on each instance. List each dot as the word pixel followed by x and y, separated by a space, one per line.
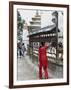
pixel 43 57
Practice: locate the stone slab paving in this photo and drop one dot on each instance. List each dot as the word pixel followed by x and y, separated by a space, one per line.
pixel 25 70
pixel 29 71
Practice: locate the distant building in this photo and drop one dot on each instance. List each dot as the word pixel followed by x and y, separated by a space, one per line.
pixel 46 34
pixel 35 23
pixel 35 26
pixel 25 34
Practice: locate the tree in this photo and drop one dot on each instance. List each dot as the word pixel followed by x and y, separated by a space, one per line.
pixel 20 23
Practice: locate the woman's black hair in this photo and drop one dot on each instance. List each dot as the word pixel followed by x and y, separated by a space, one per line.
pixel 22 43
pixel 42 44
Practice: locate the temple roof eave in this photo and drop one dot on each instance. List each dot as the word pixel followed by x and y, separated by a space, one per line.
pixel 48 30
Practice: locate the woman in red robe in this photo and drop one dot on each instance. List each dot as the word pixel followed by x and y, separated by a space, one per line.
pixel 43 60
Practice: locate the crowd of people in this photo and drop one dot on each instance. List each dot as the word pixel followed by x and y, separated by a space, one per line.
pixel 20 50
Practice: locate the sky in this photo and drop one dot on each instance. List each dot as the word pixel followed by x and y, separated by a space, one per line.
pixel 46 20
pixel 46 17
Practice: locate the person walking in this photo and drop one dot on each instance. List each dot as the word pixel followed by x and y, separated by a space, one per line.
pixel 23 49
pixel 43 60
pixel 20 49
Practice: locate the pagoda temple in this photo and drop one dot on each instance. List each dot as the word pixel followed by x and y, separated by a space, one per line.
pixel 35 23
pixel 46 34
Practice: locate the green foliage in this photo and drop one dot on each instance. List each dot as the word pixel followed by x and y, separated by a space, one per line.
pixel 20 23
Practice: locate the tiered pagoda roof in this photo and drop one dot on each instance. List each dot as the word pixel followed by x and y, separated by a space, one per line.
pixel 44 30
pixel 35 23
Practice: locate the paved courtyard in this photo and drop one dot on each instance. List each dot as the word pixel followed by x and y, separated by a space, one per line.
pixel 26 69
pixel 29 71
